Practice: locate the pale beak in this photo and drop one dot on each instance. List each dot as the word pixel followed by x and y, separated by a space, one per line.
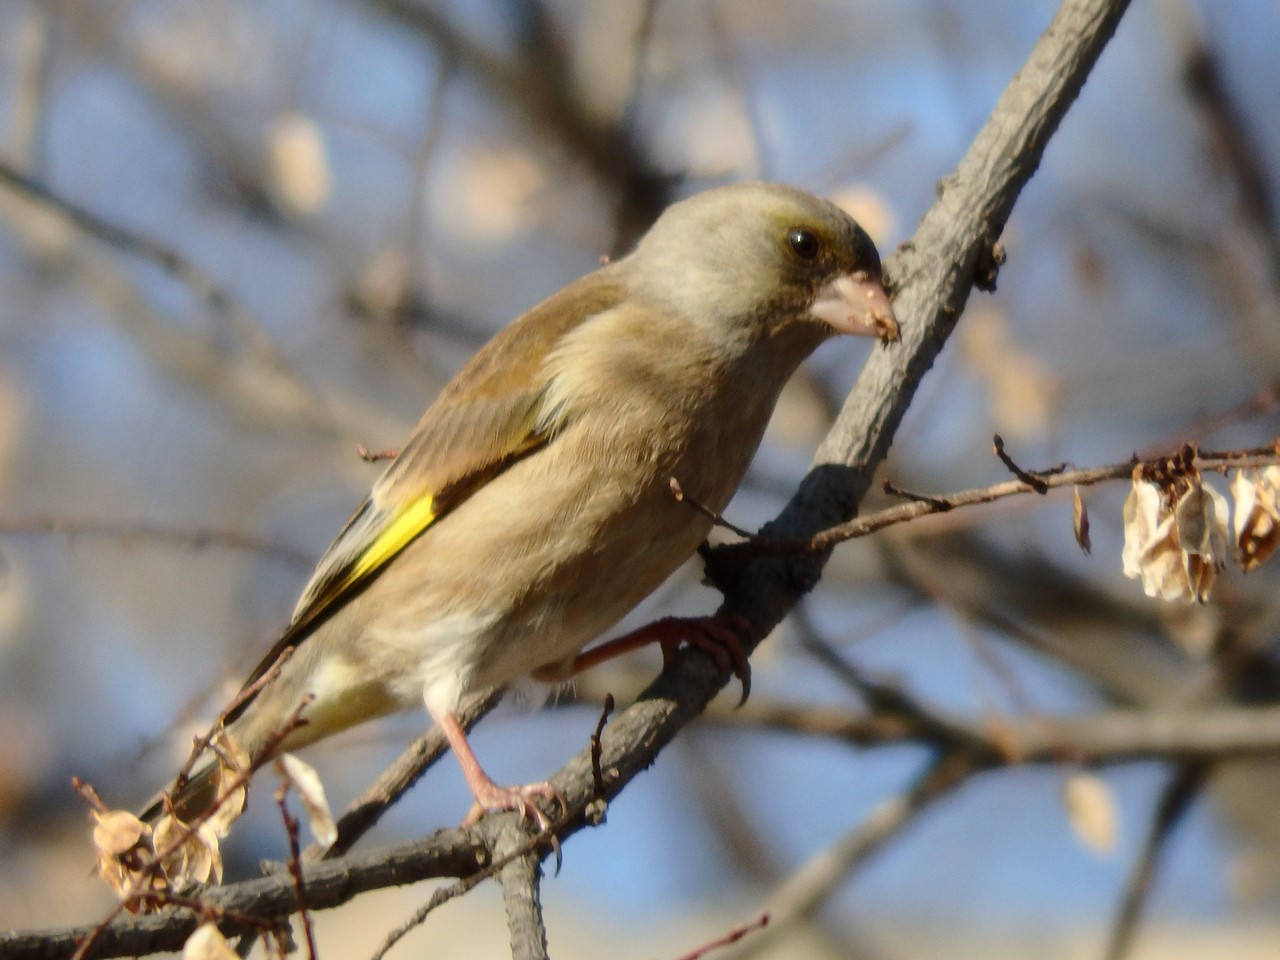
pixel 856 304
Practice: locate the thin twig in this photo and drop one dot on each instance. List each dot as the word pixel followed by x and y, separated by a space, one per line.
pixel 921 506
pixel 1034 481
pixel 204 741
pixel 730 938
pixel 376 456
pixel 938 504
pixel 484 872
pixel 677 491
pixel 597 772
pixel 295 862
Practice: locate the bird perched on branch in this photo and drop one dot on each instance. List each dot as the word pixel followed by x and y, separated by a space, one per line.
pixel 532 507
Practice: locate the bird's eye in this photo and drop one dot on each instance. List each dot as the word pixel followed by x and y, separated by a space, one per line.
pixel 803 243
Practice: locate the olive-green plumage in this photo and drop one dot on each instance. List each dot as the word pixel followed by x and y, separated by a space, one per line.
pixel 531 508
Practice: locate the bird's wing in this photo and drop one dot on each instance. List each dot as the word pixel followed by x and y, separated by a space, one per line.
pixel 488 417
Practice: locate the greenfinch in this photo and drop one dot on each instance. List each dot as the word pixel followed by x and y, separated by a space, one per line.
pixel 532 507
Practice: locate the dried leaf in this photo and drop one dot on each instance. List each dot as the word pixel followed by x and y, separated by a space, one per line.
pixel 1201 519
pixel 1091 811
pixel 1257 515
pixel 208 943
pixel 1176 549
pixel 1141 518
pixel 303 777
pixel 232 784
pixel 1080 521
pixel 299 164
pixel 1151 552
pixel 123 843
pixel 118 831
pixel 188 856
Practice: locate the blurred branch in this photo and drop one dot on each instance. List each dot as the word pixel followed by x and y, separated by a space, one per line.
pixel 125 531
pixel 34 36
pixel 1102 738
pixel 629 118
pixel 1176 799
pixel 883 698
pixel 799 897
pixel 168 259
pixel 711 785
pixel 221 148
pixel 1236 144
pixel 260 381
pixel 543 90
pixel 1241 248
pixel 730 61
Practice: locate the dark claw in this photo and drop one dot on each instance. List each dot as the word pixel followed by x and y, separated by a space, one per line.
pixel 721 639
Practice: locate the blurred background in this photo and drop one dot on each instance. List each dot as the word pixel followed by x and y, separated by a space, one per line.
pixel 292 221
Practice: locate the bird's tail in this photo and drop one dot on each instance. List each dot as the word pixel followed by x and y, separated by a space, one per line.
pixel 191 800
pixel 270 726
pixel 220 771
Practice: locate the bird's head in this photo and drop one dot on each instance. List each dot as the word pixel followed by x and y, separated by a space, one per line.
pixel 762 259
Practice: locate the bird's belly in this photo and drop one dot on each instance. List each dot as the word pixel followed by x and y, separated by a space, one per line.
pixel 505 585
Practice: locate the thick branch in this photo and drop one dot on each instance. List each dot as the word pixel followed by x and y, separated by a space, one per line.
pixel 1117 736
pixel 521 882
pixel 328 884
pixel 951 250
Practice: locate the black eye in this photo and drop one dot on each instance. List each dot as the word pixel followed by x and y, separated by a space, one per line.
pixel 803 243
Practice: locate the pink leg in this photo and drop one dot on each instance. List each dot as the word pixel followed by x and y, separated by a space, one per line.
pixel 718 637
pixel 488 795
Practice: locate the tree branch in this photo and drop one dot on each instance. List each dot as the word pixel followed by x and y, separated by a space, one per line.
pixel 800 895
pixel 521 882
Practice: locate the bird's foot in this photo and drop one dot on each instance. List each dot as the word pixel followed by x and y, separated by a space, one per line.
pixel 719 637
pixel 491 798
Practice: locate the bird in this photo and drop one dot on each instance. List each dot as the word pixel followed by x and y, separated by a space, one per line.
pixel 532 506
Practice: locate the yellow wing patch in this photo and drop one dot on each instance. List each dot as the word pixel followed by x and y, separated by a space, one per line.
pixel 331 589
pixel 410 522
pixel 344 577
